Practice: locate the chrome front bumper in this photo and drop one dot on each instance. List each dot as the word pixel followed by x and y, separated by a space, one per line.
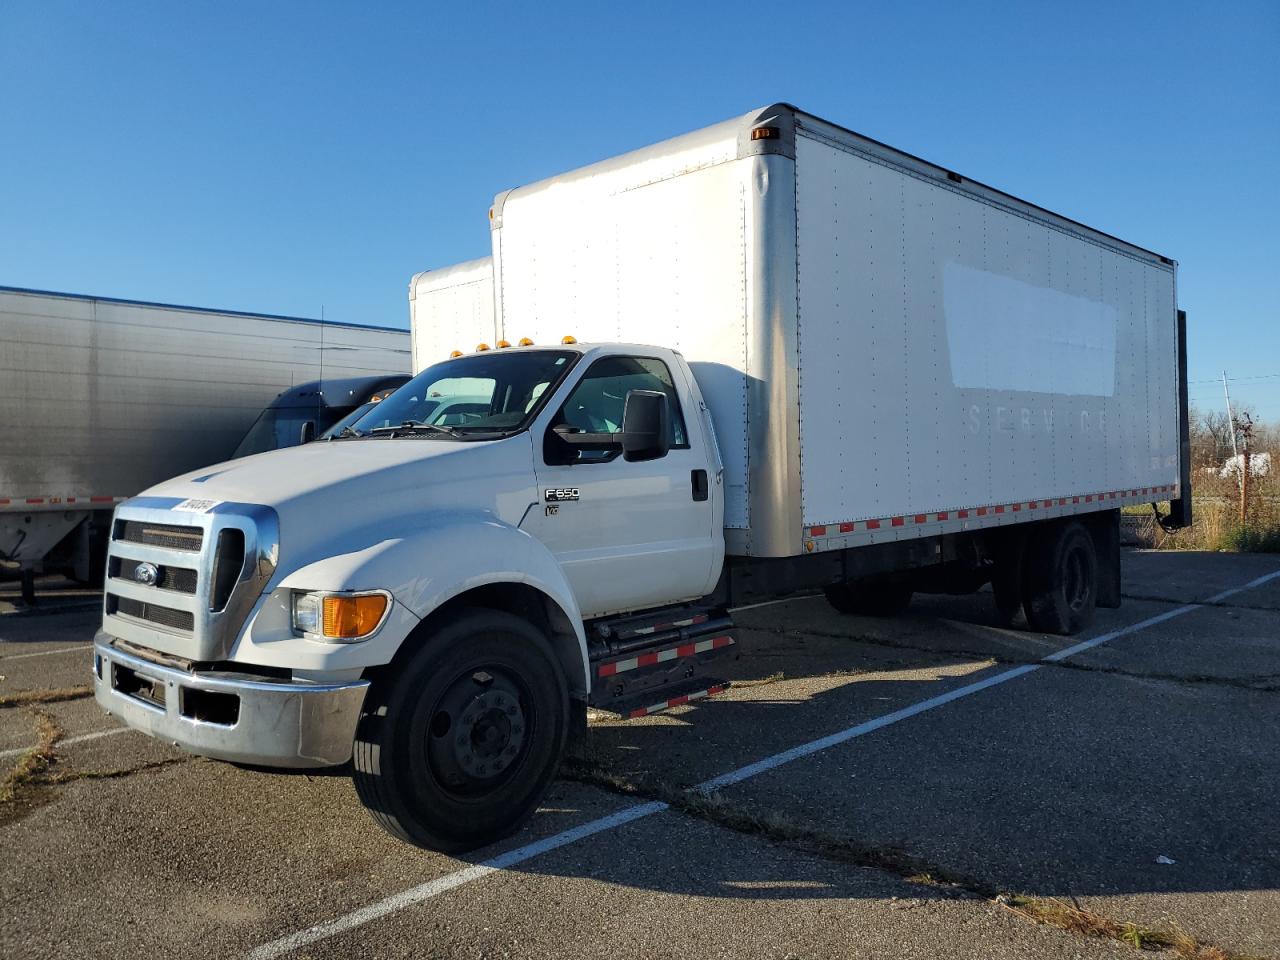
pixel 229 716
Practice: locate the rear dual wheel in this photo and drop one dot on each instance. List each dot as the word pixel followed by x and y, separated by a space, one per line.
pixel 459 742
pixel 1060 586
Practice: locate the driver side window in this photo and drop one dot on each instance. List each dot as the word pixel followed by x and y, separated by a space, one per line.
pixel 597 403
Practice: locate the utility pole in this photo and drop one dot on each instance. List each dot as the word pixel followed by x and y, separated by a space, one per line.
pixel 1231 417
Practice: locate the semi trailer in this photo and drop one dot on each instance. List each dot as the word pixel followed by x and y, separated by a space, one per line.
pixel 101 398
pixel 765 357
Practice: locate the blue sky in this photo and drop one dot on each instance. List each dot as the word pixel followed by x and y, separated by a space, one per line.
pixel 280 157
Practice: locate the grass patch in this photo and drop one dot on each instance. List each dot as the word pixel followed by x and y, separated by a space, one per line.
pixel 1216 515
pixel 26 698
pixel 33 764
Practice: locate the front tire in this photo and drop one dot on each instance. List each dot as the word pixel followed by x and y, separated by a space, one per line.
pixel 457 745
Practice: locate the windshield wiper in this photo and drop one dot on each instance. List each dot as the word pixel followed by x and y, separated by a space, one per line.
pixel 347 431
pixel 414 426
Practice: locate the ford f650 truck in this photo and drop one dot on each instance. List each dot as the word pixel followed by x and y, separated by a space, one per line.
pixel 803 361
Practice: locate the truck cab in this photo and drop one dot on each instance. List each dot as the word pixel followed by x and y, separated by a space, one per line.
pixel 298 606
pixel 309 410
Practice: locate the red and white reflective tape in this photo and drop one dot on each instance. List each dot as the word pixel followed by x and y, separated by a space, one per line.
pixel 671 625
pixel 858 526
pixel 56 501
pixel 661 656
pixel 677 701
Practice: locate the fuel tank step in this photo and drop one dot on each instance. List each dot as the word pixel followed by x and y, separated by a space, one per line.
pixel 629 664
pixel 643 705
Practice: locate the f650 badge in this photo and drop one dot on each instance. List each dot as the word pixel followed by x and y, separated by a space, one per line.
pixel 561 494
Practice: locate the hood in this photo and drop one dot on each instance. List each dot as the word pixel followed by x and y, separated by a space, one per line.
pixel 335 496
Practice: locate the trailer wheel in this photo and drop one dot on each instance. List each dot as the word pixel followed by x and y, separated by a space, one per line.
pixel 457 746
pixel 1061 589
pixel 869 599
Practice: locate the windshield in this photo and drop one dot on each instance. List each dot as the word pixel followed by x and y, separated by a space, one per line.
pixel 487 392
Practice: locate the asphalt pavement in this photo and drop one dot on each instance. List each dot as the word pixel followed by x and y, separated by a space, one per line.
pixel 926 786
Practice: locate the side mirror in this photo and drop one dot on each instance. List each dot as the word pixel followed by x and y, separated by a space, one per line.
pixel 308 431
pixel 646 425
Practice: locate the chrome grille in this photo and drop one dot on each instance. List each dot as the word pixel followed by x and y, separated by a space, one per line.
pixel 160 535
pixel 210 568
pixel 154 613
pixel 180 579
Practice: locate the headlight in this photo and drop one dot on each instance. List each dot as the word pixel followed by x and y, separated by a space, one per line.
pixel 340 617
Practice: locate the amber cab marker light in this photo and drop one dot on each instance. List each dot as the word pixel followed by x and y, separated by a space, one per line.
pixel 481 347
pixel 349 618
pixel 454 354
pixel 526 342
pixel 568 339
pixel 503 344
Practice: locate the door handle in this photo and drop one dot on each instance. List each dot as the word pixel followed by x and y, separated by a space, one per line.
pixel 701 490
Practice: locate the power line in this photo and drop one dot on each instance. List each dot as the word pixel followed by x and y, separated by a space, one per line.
pixel 1260 376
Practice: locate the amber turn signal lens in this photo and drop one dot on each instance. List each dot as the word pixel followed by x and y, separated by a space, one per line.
pixel 353 617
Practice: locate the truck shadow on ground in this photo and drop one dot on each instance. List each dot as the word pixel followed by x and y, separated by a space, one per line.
pixel 1044 787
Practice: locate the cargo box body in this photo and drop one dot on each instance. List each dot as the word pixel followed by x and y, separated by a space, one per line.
pixel 451 309
pixel 888 350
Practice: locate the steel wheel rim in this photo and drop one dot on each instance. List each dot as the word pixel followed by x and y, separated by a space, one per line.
pixel 1075 580
pixel 478 731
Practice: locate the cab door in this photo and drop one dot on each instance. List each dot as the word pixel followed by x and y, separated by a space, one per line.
pixel 628 535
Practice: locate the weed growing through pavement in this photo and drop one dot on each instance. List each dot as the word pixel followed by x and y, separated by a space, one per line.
pixel 26 698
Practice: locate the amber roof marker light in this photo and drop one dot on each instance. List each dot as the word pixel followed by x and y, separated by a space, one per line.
pixel 568 339
pixel 766 133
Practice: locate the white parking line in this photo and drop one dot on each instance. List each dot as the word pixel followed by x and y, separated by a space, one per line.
pixel 83 738
pixel 46 653
pixel 413 895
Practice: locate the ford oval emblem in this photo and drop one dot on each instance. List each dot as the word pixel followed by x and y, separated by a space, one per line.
pixel 146 573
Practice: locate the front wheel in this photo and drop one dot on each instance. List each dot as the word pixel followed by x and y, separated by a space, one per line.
pixel 457 746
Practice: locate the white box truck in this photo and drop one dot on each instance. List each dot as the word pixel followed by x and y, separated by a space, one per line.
pixel 451 306
pixel 768 356
pixel 101 398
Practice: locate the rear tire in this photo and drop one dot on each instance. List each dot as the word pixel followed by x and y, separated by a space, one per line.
pixel 458 744
pixel 1061 588
pixel 868 598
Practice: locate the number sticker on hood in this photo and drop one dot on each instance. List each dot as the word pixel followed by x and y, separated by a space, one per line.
pixel 196 506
